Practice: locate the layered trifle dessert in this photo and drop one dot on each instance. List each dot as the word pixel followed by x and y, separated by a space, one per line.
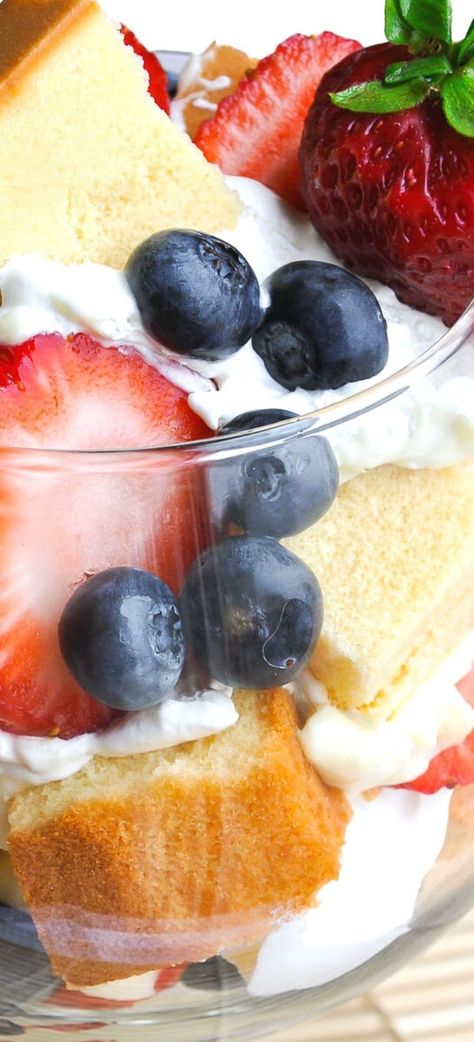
pixel 237 625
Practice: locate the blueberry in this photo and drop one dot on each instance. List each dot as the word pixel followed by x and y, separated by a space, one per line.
pixel 172 79
pixel 121 637
pixel 272 491
pixel 248 421
pixel 215 974
pixel 196 294
pixel 252 612
pixel 324 327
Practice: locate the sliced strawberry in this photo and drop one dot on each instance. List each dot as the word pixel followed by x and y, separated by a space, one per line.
pixel 455 766
pixel 256 132
pixel 158 80
pixel 67 516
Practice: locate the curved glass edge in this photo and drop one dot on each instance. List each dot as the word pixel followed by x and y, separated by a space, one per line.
pixel 378 394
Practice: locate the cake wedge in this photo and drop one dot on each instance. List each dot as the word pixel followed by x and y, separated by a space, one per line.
pixel 90 165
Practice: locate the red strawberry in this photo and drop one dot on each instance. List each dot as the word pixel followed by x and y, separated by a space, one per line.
pixel 158 80
pixel 388 167
pixel 455 766
pixel 63 517
pixel 256 131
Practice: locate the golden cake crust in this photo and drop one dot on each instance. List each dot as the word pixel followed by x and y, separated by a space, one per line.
pixel 28 27
pixel 172 856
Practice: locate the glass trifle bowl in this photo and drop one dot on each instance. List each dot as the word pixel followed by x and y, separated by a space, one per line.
pixel 238 855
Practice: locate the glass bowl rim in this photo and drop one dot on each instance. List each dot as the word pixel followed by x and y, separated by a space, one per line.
pixel 379 393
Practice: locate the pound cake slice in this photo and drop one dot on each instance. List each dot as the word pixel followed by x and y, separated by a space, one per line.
pixel 172 856
pixel 90 165
pixel 395 559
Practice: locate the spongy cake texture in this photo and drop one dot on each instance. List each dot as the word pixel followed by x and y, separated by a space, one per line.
pixel 90 165
pixel 173 855
pixel 395 559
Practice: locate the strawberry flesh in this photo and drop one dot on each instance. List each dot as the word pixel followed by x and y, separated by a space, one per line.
pixel 60 523
pixel 392 195
pixel 256 131
pixel 157 78
pixel 454 766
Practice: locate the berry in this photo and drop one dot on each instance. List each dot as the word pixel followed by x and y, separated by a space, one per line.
pixel 196 294
pixel 65 517
pixel 215 974
pixel 454 766
pixel 252 612
pixel 323 328
pixel 256 131
pixel 121 637
pixel 248 421
pixel 157 77
pixel 393 194
pixel 272 491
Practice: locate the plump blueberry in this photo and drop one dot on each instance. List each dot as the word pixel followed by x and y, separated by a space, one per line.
pixel 215 974
pixel 272 491
pixel 249 421
pixel 121 637
pixel 252 612
pixel 324 327
pixel 196 294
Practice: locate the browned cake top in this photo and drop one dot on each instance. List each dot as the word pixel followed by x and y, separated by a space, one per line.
pixel 27 27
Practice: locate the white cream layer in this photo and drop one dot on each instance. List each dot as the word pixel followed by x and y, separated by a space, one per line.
pixel 356 751
pixel 34 761
pixel 430 426
pixel 391 844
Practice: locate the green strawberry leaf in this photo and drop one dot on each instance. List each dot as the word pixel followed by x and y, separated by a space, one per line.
pixel 434 66
pixel 457 92
pixel 377 97
pixel 466 47
pixel 431 17
pixel 398 30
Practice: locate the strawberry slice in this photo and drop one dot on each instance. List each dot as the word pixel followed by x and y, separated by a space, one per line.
pixel 454 766
pixel 256 132
pixel 63 517
pixel 157 78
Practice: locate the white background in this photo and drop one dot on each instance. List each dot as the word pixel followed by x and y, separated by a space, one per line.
pixel 256 25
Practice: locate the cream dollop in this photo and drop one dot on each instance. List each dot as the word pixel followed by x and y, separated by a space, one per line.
pixel 353 751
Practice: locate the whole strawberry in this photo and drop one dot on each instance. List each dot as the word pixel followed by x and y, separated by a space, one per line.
pixel 387 157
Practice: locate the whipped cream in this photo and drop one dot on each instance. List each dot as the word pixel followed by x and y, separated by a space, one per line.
pixel 35 761
pixel 432 425
pixel 25 760
pixel 354 751
pixel 372 902
pixel 130 989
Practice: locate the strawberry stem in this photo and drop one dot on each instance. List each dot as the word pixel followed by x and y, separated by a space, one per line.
pixel 438 65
